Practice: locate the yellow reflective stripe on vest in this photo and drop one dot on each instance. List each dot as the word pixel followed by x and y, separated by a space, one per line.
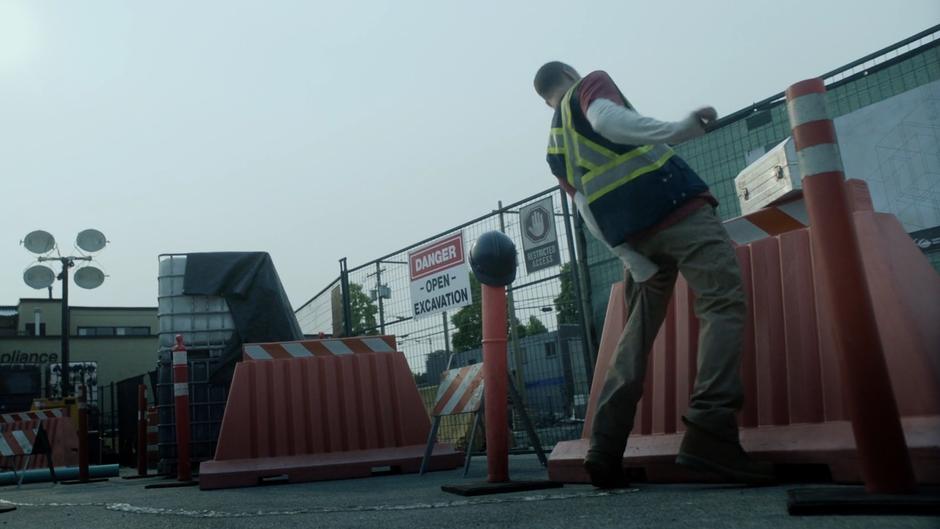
pixel 556 138
pixel 594 169
pixel 623 158
pixel 556 142
pixel 597 151
pixel 587 153
pixel 571 145
pixel 587 158
pixel 618 174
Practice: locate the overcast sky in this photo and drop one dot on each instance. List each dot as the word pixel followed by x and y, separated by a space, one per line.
pixel 317 130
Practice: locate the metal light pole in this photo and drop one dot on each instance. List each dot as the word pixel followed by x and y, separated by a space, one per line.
pixel 67 262
pixel 41 277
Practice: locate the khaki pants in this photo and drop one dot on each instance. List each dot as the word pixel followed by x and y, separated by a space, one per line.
pixel 700 248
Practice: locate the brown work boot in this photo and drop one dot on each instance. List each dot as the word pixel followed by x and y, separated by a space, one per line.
pixel 704 451
pixel 605 472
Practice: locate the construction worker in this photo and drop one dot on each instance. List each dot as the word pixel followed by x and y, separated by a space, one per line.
pixel 655 213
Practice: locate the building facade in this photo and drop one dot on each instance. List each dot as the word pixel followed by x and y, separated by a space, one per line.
pixel 106 344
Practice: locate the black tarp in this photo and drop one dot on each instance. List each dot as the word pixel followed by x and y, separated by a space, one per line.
pixel 249 283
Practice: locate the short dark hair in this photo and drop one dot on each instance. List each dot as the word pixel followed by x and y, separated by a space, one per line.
pixel 550 75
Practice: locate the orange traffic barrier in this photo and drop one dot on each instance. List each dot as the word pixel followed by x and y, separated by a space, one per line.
pixel 794 411
pixel 321 417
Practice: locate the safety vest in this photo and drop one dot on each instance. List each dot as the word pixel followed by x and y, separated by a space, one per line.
pixel 629 188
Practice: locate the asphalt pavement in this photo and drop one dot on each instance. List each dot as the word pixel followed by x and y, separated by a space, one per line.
pixel 412 501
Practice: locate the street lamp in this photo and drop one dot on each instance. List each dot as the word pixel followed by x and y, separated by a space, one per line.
pixel 40 276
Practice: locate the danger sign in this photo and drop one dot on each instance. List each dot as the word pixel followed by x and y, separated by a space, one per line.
pixel 439 277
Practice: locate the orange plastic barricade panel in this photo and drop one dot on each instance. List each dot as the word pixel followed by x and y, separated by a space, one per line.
pixel 793 411
pixel 766 310
pixel 321 417
pixel 906 290
pixel 614 322
pixel 748 416
pixel 801 337
pixel 663 364
pixel 686 350
pixel 62 437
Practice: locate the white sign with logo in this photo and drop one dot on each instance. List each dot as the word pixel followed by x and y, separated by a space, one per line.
pixel 440 279
pixel 539 238
pixel 80 373
pixel 927 240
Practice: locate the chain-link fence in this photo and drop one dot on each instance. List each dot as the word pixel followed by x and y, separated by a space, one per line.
pixel 719 156
pixel 550 353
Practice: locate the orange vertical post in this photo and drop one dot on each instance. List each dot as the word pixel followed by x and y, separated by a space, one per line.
pixel 495 378
pixel 141 430
pixel 181 394
pixel 83 436
pixel 869 397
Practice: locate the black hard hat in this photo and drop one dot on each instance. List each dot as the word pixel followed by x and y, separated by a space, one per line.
pixel 493 259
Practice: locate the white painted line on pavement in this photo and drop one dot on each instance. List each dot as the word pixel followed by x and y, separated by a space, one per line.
pixel 135 509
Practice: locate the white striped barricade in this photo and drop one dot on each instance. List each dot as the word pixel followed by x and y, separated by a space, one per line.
pixel 15 443
pixel 460 391
pixel 768 222
pixel 20 443
pixel 33 415
pixel 789 215
pixel 319 347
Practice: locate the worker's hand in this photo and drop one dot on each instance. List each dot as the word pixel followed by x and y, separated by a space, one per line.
pixel 706 115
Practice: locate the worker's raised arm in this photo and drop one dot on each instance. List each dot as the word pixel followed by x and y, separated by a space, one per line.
pixel 626 126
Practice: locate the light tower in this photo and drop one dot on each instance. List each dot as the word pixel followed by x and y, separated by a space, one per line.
pixel 40 276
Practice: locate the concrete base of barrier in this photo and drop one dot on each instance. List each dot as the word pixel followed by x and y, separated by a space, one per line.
pixel 321 467
pixel 827 501
pixel 830 444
